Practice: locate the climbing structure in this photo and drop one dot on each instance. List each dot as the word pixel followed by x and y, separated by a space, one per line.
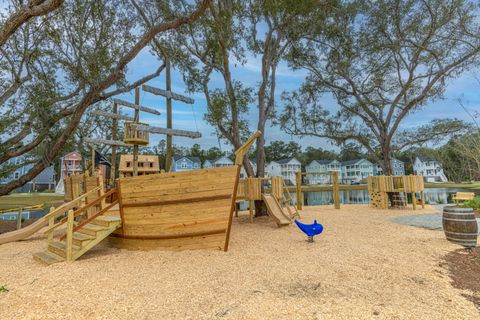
pixel 392 191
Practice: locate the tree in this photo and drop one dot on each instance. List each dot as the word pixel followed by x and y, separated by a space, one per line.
pixel 278 150
pixel 382 61
pixel 61 66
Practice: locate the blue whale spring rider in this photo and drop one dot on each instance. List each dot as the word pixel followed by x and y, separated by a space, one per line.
pixel 310 229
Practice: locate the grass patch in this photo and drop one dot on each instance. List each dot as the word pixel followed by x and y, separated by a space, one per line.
pixel 3 289
pixel 15 201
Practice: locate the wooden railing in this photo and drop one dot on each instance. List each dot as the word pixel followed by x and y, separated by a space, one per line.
pixel 68 216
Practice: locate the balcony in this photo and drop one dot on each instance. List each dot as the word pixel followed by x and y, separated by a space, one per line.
pixel 135 136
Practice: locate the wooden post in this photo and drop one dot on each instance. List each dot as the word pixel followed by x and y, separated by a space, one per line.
pixel 113 162
pixel 251 205
pixel 422 197
pixel 336 191
pixel 93 160
pixel 102 191
pixel 19 218
pixel 168 156
pixel 69 245
pixel 51 222
pixel 136 119
pixel 298 186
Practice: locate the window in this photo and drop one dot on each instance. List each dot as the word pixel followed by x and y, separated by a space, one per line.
pixel 69 162
pixel 128 164
pixel 183 165
pixel 16 175
pixel 195 165
pixel 140 164
pixel 151 164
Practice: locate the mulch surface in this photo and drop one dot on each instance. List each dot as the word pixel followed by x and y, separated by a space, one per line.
pixel 11 225
pixel 464 267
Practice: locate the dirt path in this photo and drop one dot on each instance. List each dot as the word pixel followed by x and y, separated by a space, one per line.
pixel 362 267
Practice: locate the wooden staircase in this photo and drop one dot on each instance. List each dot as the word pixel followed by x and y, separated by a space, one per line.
pixel 85 238
pixel 84 228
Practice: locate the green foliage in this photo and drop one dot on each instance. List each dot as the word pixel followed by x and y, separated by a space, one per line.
pixel 3 289
pixel 474 203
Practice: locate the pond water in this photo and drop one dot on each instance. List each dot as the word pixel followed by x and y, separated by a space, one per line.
pixel 33 214
pixel 432 196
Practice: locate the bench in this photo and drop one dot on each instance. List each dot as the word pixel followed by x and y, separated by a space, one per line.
pixel 463 196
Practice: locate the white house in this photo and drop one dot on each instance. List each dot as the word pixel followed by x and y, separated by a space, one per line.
pixel 322 166
pixel 285 168
pixel 217 163
pixel 356 171
pixel 398 168
pixel 431 169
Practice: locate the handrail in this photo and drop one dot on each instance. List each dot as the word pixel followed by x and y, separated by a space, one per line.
pixel 290 199
pixel 70 205
pixel 81 210
pixel 81 224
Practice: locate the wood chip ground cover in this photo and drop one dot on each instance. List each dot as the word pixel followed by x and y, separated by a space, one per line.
pixel 362 267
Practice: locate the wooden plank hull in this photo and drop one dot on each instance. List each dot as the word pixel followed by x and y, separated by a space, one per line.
pixel 177 211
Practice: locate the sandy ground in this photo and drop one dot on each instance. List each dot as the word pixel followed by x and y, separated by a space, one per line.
pixel 362 267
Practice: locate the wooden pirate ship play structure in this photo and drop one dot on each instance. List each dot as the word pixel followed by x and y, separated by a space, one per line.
pixel 181 210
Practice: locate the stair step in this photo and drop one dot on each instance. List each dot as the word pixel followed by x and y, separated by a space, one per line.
pixel 47 257
pixel 105 220
pixel 59 248
pixel 80 239
pixel 92 229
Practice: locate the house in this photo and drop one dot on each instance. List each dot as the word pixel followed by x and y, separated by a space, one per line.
pixel 322 166
pixel 398 168
pixel 147 164
pixel 217 163
pixel 183 163
pixel 45 180
pixel 430 168
pixel 287 168
pixel 356 171
pixel 70 164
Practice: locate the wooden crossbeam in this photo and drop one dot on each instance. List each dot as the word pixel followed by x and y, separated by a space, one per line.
pixel 132 105
pixel 109 142
pixel 173 132
pixel 167 94
pixel 112 115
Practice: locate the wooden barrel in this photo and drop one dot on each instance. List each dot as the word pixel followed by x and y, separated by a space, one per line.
pixel 460 226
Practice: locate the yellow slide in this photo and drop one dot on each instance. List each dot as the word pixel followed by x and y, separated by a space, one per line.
pixel 25 232
pixel 275 210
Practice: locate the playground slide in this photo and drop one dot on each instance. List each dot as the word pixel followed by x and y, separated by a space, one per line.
pixel 275 210
pixel 23 233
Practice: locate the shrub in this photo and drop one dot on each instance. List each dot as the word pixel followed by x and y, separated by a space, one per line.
pixel 474 203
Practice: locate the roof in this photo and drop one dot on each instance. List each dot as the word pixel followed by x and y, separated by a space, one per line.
pixel 73 154
pixel 284 161
pixel 323 161
pixel 151 158
pixel 193 159
pixel 222 157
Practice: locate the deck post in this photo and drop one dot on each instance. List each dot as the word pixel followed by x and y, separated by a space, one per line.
pixel 299 190
pixel 51 222
pixel 19 218
pixel 69 245
pixel 336 191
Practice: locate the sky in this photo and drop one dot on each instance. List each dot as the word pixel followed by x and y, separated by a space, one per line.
pixel 188 117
